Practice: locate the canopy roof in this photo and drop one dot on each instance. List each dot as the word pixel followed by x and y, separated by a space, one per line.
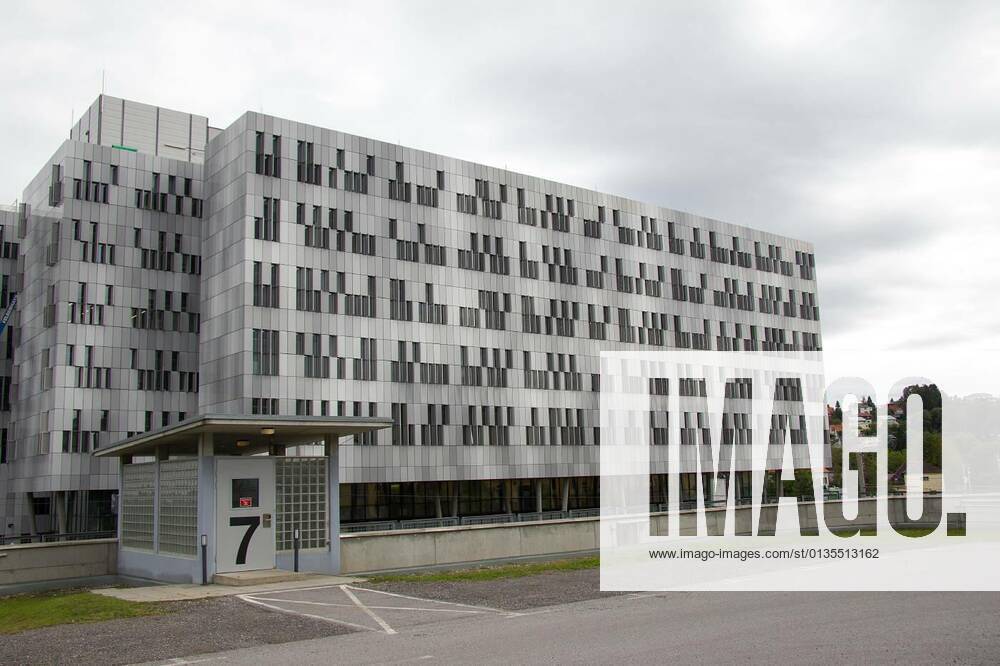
pixel 252 432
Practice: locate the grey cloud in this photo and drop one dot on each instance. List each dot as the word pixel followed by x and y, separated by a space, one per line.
pixel 745 113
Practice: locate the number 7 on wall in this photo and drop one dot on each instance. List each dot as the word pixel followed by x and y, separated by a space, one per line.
pixel 252 523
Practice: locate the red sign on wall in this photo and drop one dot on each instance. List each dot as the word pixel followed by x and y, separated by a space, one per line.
pixel 246 502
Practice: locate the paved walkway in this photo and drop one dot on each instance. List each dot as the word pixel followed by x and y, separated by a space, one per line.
pixel 187 592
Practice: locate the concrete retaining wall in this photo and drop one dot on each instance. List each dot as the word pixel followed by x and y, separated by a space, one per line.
pixel 35 562
pixel 403 549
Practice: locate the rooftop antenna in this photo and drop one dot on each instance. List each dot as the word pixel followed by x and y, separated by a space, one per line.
pixel 102 80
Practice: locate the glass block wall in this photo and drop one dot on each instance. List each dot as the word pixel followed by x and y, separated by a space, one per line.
pixel 178 506
pixel 138 492
pixel 301 502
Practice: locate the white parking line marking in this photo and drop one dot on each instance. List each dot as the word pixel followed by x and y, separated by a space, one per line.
pixel 250 600
pixel 406 608
pixel 625 597
pixel 436 601
pixel 410 661
pixel 272 598
pixel 372 614
pixel 429 610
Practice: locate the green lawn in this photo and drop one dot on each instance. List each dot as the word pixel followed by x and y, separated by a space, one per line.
pixel 31 611
pixel 493 573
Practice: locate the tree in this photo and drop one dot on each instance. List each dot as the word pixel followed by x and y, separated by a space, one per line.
pixel 932 448
pixel 896 460
pixel 870 466
pixel 931 418
pixel 929 394
pixel 897 436
pixel 804 484
pixel 836 456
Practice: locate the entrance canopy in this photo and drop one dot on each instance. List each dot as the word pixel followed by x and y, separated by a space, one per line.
pixel 222 494
pixel 242 435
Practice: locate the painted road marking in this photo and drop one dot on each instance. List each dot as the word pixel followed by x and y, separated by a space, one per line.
pixel 184 660
pixel 373 607
pixel 410 661
pixel 372 604
pixel 372 614
pixel 257 602
pixel 436 601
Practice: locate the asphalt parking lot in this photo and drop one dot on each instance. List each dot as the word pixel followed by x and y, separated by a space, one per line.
pixel 190 628
pixel 559 616
pixel 691 627
pixel 213 625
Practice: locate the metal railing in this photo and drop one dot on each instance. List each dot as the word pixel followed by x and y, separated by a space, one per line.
pixel 422 523
pixel 379 526
pixel 584 513
pixel 55 537
pixel 534 516
pixel 492 519
pixel 495 519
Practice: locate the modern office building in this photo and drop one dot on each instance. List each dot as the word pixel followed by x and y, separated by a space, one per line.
pixel 165 268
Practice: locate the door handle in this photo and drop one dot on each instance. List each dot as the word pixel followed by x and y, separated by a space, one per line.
pixel 267 520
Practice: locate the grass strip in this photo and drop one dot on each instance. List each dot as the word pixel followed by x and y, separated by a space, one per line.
pixel 32 611
pixel 487 573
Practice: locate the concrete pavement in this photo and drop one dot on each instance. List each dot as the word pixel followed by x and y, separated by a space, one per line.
pixel 682 627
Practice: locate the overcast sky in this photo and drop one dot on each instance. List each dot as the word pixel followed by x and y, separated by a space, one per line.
pixel 871 129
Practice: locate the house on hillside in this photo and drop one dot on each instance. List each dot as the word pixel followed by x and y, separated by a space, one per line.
pixel 932 481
